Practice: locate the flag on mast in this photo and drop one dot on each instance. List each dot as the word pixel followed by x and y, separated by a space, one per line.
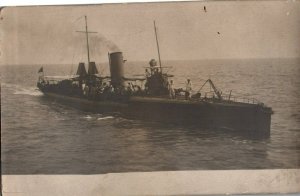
pixel 41 70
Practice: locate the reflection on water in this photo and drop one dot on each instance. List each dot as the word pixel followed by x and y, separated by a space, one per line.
pixel 42 136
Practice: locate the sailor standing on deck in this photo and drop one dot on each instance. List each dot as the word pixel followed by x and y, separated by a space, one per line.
pixel 153 66
pixel 148 74
pixel 171 90
pixel 188 89
pixel 86 90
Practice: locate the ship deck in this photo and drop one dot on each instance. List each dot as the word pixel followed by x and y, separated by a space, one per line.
pixel 190 101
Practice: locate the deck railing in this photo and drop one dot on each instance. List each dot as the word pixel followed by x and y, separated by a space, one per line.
pixel 233 98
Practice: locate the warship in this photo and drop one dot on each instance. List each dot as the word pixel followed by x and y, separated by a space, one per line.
pixel 156 99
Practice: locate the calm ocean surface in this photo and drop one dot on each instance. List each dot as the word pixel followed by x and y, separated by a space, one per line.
pixel 42 136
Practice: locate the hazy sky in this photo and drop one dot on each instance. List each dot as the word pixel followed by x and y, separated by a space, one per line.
pixel 247 29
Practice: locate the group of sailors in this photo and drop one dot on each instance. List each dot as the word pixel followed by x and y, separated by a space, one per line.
pixel 187 91
pixel 106 88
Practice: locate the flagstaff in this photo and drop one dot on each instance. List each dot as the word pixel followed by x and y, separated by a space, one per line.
pixel 157 47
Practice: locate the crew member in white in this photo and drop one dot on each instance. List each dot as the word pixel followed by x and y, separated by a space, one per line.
pixel 188 89
pixel 171 90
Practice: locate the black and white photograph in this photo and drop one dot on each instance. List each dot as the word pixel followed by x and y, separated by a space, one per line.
pixel 150 87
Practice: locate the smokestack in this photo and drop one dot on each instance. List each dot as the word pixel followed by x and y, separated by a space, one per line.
pixel 116 64
pixel 81 71
pixel 92 68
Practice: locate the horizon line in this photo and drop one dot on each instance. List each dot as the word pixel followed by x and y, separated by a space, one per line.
pixel 208 59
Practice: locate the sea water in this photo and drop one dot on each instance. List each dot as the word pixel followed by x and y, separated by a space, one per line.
pixel 43 136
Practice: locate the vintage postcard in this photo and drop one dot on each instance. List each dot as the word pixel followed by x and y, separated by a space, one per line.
pixel 167 98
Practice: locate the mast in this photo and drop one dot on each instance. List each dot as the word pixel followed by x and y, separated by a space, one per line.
pixel 157 46
pixel 87 40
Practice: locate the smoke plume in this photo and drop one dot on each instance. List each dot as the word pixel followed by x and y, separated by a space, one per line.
pixel 101 42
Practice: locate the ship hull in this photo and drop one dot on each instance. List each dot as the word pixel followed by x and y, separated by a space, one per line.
pixel 250 119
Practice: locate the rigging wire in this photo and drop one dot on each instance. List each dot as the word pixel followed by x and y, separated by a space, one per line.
pixel 95 48
pixel 73 59
pixel 76 49
pixel 78 18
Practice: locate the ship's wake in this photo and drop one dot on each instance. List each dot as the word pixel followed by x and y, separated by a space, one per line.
pixel 21 90
pixel 105 118
pixel 89 117
pixel 32 92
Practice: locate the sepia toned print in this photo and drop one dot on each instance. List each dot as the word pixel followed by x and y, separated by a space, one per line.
pixel 150 87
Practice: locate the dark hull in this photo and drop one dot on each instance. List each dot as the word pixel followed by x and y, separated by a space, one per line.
pixel 248 118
